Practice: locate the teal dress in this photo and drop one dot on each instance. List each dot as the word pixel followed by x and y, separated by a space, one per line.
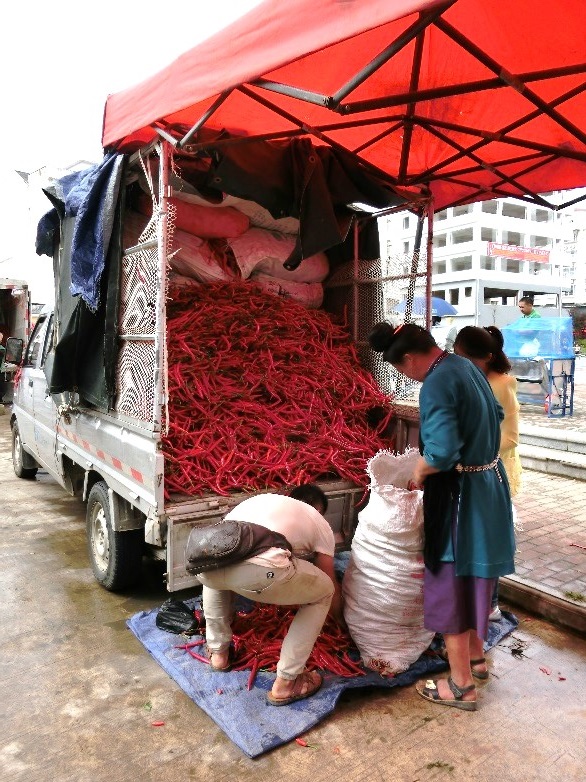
pixel 460 424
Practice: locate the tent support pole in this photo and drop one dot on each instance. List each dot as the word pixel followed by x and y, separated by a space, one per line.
pixel 374 104
pixel 408 134
pixel 414 265
pixel 429 266
pixel 500 135
pixel 355 273
pixel 315 132
pixel 204 118
pixel 509 78
pixel 399 43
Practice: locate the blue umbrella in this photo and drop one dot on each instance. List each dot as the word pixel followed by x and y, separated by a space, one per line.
pixel 439 307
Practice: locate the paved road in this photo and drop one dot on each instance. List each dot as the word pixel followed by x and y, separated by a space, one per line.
pixel 79 693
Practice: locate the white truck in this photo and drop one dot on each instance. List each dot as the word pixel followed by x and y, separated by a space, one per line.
pixel 107 445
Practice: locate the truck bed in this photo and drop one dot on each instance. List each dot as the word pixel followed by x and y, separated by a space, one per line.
pixel 183 513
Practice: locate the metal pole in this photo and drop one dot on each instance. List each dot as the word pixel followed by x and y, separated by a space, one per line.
pixel 414 266
pixel 355 302
pixel 429 264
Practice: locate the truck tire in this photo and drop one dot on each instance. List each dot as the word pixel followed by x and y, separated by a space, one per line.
pixel 18 456
pixel 116 557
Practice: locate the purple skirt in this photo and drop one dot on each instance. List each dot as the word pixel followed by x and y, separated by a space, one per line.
pixel 454 604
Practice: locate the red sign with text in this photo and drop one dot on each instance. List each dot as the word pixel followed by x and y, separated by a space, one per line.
pixel 535 254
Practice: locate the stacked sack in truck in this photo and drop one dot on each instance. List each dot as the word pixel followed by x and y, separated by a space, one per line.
pixel 236 239
pixel 383 583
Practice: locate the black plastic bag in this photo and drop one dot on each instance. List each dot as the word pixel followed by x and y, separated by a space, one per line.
pixel 174 616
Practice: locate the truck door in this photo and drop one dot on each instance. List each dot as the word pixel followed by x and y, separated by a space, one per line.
pixel 24 393
pixel 36 424
pixel 44 409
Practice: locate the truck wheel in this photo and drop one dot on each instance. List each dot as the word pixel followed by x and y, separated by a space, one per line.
pixel 18 456
pixel 116 557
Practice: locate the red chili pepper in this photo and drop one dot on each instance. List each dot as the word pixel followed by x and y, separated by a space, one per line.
pixel 253 671
pixel 303 743
pixel 253 405
pixel 157 724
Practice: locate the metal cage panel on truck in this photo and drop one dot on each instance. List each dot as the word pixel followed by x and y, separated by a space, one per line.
pixel 135 374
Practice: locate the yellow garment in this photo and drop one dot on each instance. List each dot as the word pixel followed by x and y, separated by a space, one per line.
pixel 504 387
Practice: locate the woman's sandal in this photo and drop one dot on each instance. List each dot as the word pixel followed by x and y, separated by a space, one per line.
pixel 482 675
pixel 305 685
pixel 429 691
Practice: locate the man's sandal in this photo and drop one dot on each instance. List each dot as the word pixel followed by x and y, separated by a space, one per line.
pixel 482 675
pixel 306 684
pixel 226 668
pixel 429 691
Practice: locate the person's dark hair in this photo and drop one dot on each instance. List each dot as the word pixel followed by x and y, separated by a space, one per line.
pixel 526 300
pixel 476 342
pixel 311 495
pixel 393 342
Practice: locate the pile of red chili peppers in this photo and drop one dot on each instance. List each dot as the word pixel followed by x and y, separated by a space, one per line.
pixel 257 636
pixel 264 393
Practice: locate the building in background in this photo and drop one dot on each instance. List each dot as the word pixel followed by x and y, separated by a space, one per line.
pixel 488 254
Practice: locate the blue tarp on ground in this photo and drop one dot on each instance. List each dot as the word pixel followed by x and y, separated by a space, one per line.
pixel 243 715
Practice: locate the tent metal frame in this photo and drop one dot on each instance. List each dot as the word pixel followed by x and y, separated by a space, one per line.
pixel 405 123
pixel 416 187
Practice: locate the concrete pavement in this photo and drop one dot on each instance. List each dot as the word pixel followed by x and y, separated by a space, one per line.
pixel 80 694
pixel 550 576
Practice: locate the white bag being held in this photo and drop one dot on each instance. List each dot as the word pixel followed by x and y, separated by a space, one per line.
pixel 383 583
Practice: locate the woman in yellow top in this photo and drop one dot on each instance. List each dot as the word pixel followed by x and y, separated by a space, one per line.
pixel 484 347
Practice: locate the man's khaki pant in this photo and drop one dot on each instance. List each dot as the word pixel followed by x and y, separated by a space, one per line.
pixel 301 583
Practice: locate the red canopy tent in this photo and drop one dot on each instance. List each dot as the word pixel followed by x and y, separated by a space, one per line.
pixel 462 100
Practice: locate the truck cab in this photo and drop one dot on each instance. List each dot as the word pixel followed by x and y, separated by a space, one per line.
pixel 33 435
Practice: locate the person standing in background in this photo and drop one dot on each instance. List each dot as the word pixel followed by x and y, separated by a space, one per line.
pixel 468 525
pixel 527 308
pixel 443 333
pixel 484 347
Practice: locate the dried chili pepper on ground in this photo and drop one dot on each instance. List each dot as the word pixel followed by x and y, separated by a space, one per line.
pixel 257 636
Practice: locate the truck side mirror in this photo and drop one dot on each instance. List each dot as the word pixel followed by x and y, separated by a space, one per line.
pixel 14 348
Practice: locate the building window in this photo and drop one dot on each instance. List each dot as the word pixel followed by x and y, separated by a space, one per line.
pixel 468 292
pixel 542 215
pixel 439 267
pixel 512 237
pixel 441 215
pixel 513 266
pixel 463 235
pixel 515 210
pixel 406 222
pixel 490 206
pixel 488 234
pixel 539 241
pixel 454 295
pixel 439 294
pixel 462 264
pixel 406 248
pixel 487 262
pixel 462 210
pixel 439 240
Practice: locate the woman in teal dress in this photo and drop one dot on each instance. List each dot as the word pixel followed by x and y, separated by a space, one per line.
pixel 469 540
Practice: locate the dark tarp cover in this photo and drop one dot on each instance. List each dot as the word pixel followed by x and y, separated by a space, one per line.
pixel 87 274
pixel 314 184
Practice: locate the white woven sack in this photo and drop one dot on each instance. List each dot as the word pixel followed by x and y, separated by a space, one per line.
pixel 383 583
pixel 257 214
pixel 257 250
pixel 310 294
pixel 193 257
